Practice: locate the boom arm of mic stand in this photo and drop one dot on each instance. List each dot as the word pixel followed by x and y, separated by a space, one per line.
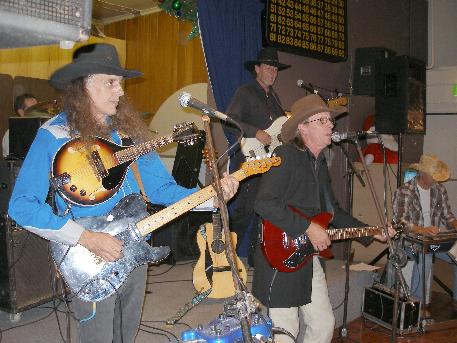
pixel 351 165
pixel 239 287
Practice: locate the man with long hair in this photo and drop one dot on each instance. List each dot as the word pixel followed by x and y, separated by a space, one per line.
pixel 94 105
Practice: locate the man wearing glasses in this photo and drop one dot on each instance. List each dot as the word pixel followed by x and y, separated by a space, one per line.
pixel 301 181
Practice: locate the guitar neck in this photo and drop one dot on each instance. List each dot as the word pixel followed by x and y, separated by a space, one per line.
pixel 136 151
pixel 163 217
pixel 353 232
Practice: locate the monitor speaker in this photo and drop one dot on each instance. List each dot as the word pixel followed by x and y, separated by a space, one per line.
pixel 188 160
pixel 365 69
pixel 38 22
pixel 26 272
pixel 400 95
pixel 22 132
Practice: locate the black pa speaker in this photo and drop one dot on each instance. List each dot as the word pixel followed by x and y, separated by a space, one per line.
pixel 188 160
pixel 400 95
pixel 26 273
pixel 365 69
pixel 38 22
pixel 180 234
pixel 22 132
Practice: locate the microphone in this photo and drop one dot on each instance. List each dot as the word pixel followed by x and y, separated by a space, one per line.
pixel 186 100
pixel 301 84
pixel 352 135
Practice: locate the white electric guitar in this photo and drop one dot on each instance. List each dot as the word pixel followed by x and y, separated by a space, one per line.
pixel 252 147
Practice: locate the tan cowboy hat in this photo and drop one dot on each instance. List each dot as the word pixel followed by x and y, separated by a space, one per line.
pixel 431 165
pixel 304 108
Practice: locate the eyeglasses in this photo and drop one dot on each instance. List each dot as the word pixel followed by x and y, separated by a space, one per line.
pixel 323 120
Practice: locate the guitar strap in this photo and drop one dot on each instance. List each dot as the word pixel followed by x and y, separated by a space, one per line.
pixel 126 140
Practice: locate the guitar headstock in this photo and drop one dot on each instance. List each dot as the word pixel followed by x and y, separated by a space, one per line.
pixel 260 165
pixel 339 101
pixel 186 133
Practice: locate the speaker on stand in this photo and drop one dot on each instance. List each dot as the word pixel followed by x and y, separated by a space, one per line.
pixel 400 100
pixel 365 68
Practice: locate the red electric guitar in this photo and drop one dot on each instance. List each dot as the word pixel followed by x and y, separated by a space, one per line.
pixel 287 254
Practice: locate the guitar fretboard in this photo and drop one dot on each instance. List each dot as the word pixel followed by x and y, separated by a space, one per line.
pixel 353 232
pixel 135 151
pixel 163 217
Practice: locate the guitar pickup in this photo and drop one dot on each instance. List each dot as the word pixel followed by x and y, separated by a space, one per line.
pixel 96 163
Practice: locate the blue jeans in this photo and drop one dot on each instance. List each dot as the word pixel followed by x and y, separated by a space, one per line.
pixel 416 281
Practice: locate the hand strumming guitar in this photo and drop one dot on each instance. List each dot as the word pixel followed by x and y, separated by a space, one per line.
pixel 263 137
pixel 318 237
pixel 102 244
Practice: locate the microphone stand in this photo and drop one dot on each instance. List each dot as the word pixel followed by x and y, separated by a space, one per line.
pixel 394 254
pixel 351 170
pixel 240 289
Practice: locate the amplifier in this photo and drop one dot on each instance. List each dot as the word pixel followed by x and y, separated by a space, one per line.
pixel 378 304
pixel 22 132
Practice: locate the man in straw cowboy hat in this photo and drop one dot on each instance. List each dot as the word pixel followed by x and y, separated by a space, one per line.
pixel 255 105
pixel 94 105
pixel 302 181
pixel 422 204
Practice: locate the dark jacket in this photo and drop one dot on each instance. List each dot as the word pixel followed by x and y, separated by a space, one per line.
pixel 304 183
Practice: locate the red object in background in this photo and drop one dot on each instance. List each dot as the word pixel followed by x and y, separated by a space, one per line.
pixel 375 149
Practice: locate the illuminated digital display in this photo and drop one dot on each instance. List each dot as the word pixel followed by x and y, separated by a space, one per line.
pixel 314 28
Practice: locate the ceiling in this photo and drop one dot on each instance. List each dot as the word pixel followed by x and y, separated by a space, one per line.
pixel 109 11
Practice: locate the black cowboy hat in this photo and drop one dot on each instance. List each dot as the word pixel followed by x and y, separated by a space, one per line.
pixel 266 56
pixel 91 59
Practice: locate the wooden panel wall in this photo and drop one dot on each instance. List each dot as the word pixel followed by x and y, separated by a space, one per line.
pixel 41 61
pixel 157 45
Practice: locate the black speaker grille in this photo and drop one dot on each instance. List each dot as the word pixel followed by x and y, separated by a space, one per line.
pixel 65 12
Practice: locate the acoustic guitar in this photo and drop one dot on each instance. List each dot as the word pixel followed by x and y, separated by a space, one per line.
pixel 217 274
pixel 91 174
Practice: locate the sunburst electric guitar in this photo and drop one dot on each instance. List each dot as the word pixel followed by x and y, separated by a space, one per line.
pixel 90 175
pixel 252 147
pixel 217 274
pixel 92 279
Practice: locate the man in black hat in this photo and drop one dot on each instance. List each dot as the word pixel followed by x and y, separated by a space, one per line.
pixel 94 105
pixel 255 106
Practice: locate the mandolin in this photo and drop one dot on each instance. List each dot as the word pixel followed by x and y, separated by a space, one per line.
pixel 89 174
